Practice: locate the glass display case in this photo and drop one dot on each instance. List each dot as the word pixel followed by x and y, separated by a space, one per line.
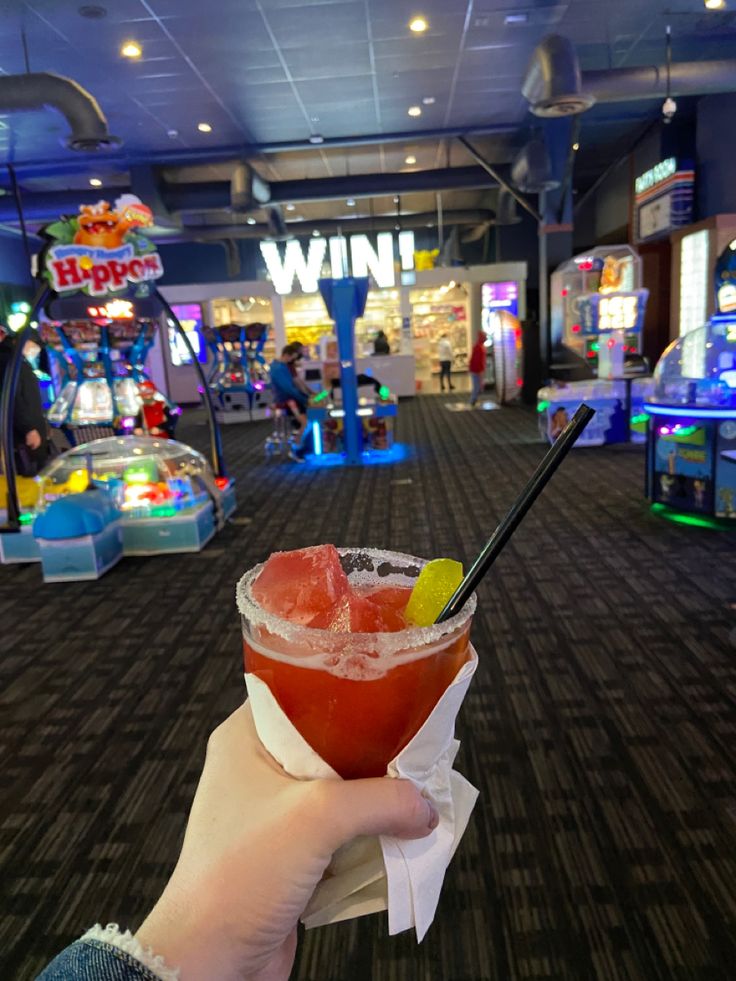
pixel 146 477
pixel 699 369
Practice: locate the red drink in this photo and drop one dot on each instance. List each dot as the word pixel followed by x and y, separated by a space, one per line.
pixel 356 697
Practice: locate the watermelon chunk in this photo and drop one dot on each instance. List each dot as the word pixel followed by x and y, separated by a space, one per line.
pixel 303 584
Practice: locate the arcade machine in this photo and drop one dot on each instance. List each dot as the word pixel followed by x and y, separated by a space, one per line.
pixel 500 322
pixel 352 420
pixel 597 310
pixel 239 375
pixel 98 356
pixel 114 495
pixel 691 444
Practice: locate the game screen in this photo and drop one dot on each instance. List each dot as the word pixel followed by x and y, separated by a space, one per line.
pixel 189 316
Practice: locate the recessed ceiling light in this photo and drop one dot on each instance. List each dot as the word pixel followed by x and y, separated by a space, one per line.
pixel 715 4
pixel 315 233
pixel 250 221
pixel 410 160
pixel 290 207
pixel 414 110
pixel 350 202
pixel 576 146
pixel 95 182
pixel 316 138
pixel 428 100
pixel 131 49
pixel 204 127
pixel 418 24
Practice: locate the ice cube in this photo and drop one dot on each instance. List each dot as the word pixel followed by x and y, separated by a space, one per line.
pixel 302 584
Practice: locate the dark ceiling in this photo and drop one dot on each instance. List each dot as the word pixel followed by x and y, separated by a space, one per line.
pixel 269 72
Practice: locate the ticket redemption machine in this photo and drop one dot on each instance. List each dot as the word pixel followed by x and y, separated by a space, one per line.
pixel 112 495
pixel 597 313
pixel 353 420
pixel 691 445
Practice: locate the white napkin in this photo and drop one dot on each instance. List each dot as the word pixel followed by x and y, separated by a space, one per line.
pixel 373 874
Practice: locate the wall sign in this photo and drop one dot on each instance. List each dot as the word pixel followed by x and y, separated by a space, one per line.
pixel 660 172
pixel 664 200
pixel 100 250
pixel 354 256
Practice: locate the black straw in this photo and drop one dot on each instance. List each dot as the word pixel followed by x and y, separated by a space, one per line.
pixel 536 484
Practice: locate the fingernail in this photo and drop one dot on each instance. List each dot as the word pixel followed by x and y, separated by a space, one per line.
pixel 434 816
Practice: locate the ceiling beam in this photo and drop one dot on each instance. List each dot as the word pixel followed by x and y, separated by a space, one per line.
pixel 347 226
pixel 216 195
pixel 176 157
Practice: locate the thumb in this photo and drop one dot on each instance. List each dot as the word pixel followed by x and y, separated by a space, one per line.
pixel 381 806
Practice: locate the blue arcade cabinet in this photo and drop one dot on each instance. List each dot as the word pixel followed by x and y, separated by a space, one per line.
pixel 691 446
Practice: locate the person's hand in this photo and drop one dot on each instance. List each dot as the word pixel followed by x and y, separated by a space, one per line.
pixel 33 439
pixel 256 845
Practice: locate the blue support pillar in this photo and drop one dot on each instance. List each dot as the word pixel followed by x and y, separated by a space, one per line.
pixel 345 302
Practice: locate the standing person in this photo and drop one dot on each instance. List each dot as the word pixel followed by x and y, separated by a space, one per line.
pixel 298 349
pixel 380 344
pixel 30 439
pixel 477 367
pixel 290 397
pixel 445 356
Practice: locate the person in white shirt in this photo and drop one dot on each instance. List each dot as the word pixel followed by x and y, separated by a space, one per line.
pixel 444 353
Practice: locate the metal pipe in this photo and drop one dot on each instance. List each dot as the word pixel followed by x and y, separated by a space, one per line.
pixel 499 179
pixel 37 90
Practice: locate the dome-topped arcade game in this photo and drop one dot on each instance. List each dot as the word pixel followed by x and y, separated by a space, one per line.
pixel 691 450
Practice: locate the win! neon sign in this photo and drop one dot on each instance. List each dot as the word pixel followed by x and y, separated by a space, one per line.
pixel 359 255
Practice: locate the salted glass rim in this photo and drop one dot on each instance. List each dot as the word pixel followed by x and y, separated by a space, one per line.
pixel 388 641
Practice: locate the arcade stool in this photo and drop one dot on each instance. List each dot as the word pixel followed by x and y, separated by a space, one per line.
pixel 280 439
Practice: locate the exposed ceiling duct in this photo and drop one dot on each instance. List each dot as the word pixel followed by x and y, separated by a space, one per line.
pixel 507 212
pixel 554 86
pixel 37 90
pixel 531 170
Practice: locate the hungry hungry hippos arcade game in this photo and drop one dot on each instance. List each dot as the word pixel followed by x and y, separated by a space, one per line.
pixel 95 502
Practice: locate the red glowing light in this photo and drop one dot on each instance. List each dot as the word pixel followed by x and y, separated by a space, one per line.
pixel 564 292
pixel 519 382
pixel 591 354
pixel 585 266
pixel 222 482
pixel 611 344
pixel 517 332
pixel 575 328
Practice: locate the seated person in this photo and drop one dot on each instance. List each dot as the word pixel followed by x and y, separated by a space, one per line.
pixel 293 399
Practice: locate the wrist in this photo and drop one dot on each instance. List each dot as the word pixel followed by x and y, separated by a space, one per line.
pixel 182 932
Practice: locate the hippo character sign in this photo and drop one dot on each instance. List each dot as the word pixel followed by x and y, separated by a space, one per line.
pixel 101 250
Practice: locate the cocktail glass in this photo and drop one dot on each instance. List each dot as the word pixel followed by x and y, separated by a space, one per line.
pixel 356 698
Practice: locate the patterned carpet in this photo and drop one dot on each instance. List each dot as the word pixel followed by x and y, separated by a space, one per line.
pixel 600 727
